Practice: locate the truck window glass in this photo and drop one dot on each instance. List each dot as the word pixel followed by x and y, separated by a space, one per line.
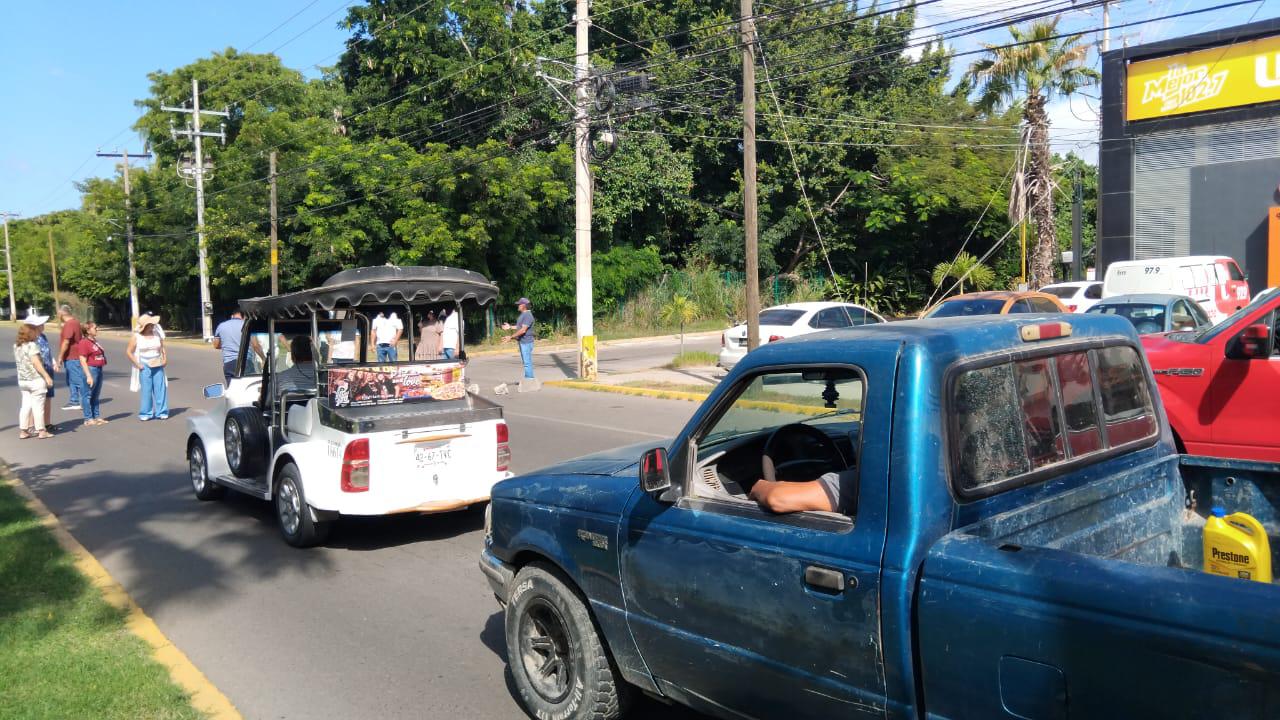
pixel 991 446
pixel 1040 413
pixel 1126 402
pixel 783 318
pixel 1076 379
pixel 1234 270
pixel 772 400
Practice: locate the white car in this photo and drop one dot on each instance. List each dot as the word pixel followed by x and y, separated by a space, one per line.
pixel 784 321
pixel 310 422
pixel 1077 296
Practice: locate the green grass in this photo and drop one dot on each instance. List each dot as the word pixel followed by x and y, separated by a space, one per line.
pixel 693 358
pixel 64 652
pixel 662 385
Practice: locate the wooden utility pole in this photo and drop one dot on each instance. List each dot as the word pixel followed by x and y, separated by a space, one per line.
pixel 750 218
pixel 128 231
pixel 53 268
pixel 275 257
pixel 8 266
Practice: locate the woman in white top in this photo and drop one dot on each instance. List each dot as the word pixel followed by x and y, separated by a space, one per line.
pixel 33 380
pixel 147 353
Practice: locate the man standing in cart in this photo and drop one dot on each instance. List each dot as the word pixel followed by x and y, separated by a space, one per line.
pixel 387 330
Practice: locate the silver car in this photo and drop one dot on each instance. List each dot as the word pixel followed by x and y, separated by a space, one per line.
pixel 1155 312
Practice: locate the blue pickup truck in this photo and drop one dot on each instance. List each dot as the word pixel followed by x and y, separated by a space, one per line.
pixel 1017 538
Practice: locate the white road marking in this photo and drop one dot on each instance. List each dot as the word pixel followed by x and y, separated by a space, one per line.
pixel 594 426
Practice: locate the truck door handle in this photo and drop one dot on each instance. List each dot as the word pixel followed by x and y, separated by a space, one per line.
pixel 824 579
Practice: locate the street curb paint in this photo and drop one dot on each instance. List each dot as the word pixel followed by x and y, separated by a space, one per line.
pixel 205 697
pixel 623 390
pixel 767 405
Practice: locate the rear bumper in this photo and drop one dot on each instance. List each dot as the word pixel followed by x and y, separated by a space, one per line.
pixel 498 573
pixel 730 356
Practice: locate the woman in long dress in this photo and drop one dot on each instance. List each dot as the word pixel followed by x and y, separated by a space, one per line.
pixel 429 332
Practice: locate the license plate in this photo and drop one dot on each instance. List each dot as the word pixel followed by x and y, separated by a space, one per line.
pixel 429 455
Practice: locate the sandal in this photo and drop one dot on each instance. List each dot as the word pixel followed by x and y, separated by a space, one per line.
pixel 25 435
pixel 43 435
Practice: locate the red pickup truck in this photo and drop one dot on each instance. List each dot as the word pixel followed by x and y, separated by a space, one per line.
pixel 1221 386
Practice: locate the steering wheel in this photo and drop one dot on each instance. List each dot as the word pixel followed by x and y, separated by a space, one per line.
pixel 797 438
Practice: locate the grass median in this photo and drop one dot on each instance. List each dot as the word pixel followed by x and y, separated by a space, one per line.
pixel 65 652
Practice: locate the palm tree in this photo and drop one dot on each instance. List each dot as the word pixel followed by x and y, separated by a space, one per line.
pixel 1036 67
pixel 965 268
pixel 680 311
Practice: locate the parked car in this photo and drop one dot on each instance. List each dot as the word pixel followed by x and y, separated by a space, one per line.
pixel 784 321
pixel 324 437
pixel 1077 296
pixel 1016 537
pixel 1155 312
pixel 1220 385
pixel 996 302
pixel 1213 281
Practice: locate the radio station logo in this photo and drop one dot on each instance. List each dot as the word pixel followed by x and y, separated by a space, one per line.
pixel 1183 86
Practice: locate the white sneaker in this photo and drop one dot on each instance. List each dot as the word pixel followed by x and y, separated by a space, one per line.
pixel 70 406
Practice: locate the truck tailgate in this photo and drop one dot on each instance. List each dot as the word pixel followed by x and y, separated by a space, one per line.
pixel 1091 604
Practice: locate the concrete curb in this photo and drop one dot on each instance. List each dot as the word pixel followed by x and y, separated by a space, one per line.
pixel 620 342
pixel 622 390
pixel 205 697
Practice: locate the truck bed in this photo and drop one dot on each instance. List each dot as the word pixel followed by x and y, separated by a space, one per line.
pixel 1015 611
pixel 405 416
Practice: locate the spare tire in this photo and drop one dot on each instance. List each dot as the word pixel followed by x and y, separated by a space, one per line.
pixel 244 439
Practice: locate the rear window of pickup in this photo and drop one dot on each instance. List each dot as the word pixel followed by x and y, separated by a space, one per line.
pixel 1016 420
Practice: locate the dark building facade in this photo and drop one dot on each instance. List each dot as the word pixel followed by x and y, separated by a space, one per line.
pixel 1190 157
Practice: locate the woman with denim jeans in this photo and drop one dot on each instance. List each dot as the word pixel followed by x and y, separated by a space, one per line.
pixel 147 353
pixel 92 360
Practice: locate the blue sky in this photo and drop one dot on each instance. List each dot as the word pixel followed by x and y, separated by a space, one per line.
pixel 73 69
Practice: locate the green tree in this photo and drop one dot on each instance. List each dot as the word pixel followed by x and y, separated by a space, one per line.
pixel 680 311
pixel 964 268
pixel 1036 68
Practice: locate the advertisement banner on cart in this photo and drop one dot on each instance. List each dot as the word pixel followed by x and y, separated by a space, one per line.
pixel 395 384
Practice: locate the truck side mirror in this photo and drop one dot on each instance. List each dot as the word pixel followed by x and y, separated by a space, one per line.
pixel 655 475
pixel 213 391
pixel 1254 343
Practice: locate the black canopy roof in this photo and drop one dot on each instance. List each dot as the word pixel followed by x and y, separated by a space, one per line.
pixel 383 285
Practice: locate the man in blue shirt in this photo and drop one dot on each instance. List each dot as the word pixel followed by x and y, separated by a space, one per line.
pixel 227 337
pixel 524 336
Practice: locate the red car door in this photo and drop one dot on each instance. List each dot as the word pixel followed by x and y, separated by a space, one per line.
pixel 1242 395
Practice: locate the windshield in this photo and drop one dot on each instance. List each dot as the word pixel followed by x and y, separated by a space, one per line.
pixel 1063 292
pixel 780 317
pixel 965 308
pixel 1147 318
pixel 1261 299
pixel 780 398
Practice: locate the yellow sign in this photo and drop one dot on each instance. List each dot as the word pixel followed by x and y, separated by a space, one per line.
pixel 1212 79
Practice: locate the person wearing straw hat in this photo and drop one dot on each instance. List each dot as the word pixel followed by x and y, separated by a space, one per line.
pixel 46 354
pixel 147 353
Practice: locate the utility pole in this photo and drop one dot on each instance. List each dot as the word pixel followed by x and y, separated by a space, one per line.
pixel 53 268
pixel 206 303
pixel 750 218
pixel 1106 26
pixel 8 265
pixel 128 232
pixel 582 186
pixel 275 258
pixel 1077 241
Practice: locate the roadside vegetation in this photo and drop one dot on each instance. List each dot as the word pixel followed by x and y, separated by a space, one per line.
pixel 692 358
pixel 65 652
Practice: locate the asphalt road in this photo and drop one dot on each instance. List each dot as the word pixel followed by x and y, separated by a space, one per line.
pixel 391 619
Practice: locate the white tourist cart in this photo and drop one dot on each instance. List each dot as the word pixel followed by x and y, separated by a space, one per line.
pixel 344 435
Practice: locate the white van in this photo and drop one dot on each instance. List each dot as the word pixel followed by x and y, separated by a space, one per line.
pixel 1214 281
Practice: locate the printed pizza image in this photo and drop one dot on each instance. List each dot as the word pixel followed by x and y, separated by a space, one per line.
pixel 451 391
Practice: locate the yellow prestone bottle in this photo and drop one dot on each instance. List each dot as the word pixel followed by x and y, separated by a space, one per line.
pixel 1236 546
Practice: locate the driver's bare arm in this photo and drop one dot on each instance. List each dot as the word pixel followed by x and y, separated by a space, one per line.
pixel 789 497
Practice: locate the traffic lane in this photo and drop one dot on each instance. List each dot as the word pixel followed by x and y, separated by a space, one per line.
pixel 391 617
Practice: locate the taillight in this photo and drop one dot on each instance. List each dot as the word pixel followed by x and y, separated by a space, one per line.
pixel 721 340
pixel 355 466
pixel 1072 308
pixel 774 338
pixel 504 449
